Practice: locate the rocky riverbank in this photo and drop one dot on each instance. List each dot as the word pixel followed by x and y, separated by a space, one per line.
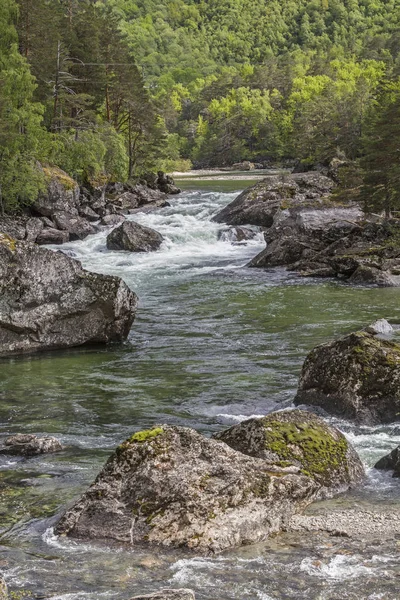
pixel 308 231
pixel 67 212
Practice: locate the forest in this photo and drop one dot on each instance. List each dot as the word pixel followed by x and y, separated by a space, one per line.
pixel 108 90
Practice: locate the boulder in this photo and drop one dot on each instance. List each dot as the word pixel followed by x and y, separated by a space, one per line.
pixel 30 445
pixel 48 301
pixel 381 326
pixel 52 236
pixel 110 220
pixel 14 226
pixel 166 184
pixel 355 377
pixel 62 193
pixel 258 204
pixel 78 227
pixel 173 487
pixel 390 462
pixel 88 213
pixel 301 440
pixel 34 227
pixel 134 237
pixel 166 594
pixel 237 234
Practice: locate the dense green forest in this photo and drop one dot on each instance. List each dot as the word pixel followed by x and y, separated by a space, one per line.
pixel 108 89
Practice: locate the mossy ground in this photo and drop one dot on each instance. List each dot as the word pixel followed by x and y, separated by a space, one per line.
pixel 65 180
pixel 309 444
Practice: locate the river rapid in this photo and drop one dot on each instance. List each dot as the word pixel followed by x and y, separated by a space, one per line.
pixel 213 343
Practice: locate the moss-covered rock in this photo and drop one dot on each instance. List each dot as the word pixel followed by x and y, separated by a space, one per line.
pixel 301 440
pixel 355 377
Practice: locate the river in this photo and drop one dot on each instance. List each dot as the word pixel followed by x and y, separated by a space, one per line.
pixel 213 343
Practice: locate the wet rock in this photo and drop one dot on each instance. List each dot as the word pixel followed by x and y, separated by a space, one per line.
pixel 166 184
pixel 49 301
pixel 167 594
pixel 3 589
pixel 300 440
pixel 365 274
pixel 258 204
pixel 134 237
pixel 171 486
pixel 62 194
pixel 381 326
pixel 52 236
pixel 390 462
pixel 237 234
pixel 77 227
pixel 109 220
pixel 356 377
pixel 30 445
pixel 127 200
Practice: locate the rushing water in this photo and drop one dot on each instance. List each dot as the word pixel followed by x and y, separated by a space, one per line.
pixel 213 343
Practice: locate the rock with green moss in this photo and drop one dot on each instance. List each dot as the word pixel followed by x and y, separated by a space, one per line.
pixel 259 204
pixel 356 377
pixel 62 193
pixel 302 442
pixel 49 301
pixel 173 487
pixel 3 589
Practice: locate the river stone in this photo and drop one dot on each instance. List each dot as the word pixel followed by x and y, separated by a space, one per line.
pixel 390 462
pixel 50 235
pixel 173 487
pixel 355 377
pixel 166 594
pixel 258 204
pixel 78 227
pixel 110 220
pixel 30 445
pixel 303 440
pixel 134 237
pixel 381 326
pixel 48 301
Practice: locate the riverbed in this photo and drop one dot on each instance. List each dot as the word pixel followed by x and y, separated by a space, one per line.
pixel 214 342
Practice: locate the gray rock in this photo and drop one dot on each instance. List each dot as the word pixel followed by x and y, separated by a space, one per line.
pixel 365 274
pixel 173 487
pixel 48 301
pixel 127 200
pixel 381 326
pixel 34 227
pixel 52 236
pixel 88 213
pixel 62 194
pixel 109 220
pixel 259 204
pixel 356 377
pixel 302 441
pixel 167 594
pixel 390 462
pixel 237 234
pixel 78 227
pixel 30 445
pixel 134 237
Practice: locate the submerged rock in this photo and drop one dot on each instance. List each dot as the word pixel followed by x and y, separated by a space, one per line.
pixel 390 462
pixel 300 440
pixel 166 594
pixel 355 377
pixel 30 445
pixel 259 204
pixel 48 301
pixel 134 237
pixel 171 486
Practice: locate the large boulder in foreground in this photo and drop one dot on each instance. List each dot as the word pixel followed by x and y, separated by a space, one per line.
pixel 258 204
pixel 355 377
pixel 300 440
pixel 173 487
pixel 49 301
pixel 134 237
pixel 167 594
pixel 390 462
